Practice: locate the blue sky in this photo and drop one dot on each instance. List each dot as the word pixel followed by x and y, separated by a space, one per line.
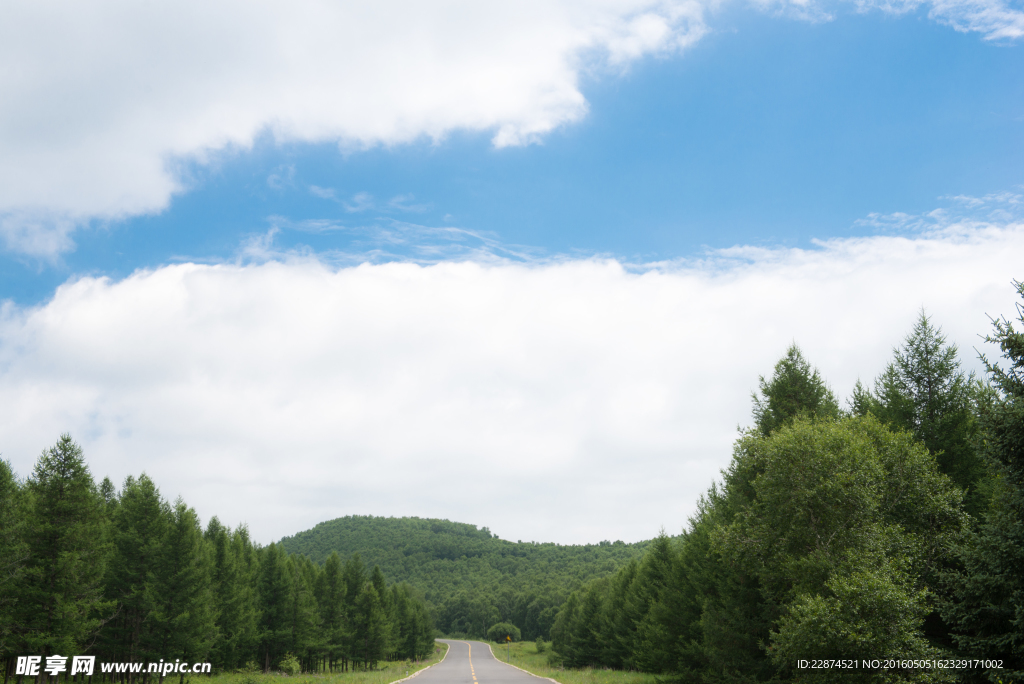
pixel 400 245
pixel 769 130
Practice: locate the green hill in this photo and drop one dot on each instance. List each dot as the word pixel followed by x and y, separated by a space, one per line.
pixel 471 578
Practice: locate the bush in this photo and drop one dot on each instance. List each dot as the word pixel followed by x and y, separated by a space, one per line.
pixel 250 673
pixel 541 646
pixel 290 665
pixel 501 630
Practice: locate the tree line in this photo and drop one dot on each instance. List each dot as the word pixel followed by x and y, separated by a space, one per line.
pixel 126 576
pixel 893 528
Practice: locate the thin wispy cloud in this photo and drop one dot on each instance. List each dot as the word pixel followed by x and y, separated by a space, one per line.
pixel 361 201
pixel 282 178
pixel 323 193
pixel 387 240
pixel 406 203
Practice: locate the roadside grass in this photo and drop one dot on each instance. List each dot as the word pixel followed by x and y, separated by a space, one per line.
pixel 385 673
pixel 524 654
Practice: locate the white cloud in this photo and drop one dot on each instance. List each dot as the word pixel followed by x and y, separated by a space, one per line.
pixel 323 193
pixel 102 99
pixel 361 201
pixel 996 19
pixel 572 401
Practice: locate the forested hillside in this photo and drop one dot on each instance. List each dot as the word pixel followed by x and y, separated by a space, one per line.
pixel 889 531
pixel 128 577
pixel 472 578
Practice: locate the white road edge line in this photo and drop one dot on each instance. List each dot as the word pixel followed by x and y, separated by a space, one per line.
pixel 547 679
pixel 427 667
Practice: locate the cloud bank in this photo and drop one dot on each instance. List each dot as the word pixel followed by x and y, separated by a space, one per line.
pixel 572 401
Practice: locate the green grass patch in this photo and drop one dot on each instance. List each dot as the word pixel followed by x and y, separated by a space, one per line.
pixel 524 655
pixel 385 673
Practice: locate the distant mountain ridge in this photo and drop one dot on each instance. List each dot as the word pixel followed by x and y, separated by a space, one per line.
pixel 471 578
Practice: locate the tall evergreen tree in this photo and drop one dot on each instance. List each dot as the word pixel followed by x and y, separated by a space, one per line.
pixel 987 609
pixel 333 608
pixel 925 391
pixel 795 388
pixel 60 604
pixel 371 628
pixel 234 587
pixel 138 530
pixel 13 554
pixel 181 593
pixel 306 639
pixel 275 602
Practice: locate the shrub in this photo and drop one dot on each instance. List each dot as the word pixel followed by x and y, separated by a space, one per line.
pixel 501 630
pixel 290 665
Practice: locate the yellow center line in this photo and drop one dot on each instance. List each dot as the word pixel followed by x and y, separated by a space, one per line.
pixel 472 671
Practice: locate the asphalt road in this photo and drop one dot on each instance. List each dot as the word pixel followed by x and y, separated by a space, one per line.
pixel 471 662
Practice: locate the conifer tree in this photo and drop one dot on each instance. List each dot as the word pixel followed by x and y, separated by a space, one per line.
pixel 235 592
pixel 987 609
pixel 371 627
pixel 303 618
pixel 60 603
pixel 275 602
pixel 13 553
pixel 924 391
pixel 138 529
pixel 333 608
pixel 795 388
pixel 181 592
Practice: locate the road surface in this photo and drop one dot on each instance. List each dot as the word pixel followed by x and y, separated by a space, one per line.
pixel 471 662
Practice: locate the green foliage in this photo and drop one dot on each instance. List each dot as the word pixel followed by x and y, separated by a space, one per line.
pixel 924 391
pixel 987 606
pixel 138 529
pixel 60 593
pixel 129 578
pixel 501 631
pixel 290 665
pixel 181 590
pixel 471 578
pixel 795 389
pixel 823 539
pixel 870 611
pixel 13 552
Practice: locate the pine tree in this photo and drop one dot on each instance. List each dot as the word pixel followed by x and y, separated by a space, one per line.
pixel 795 389
pixel 235 592
pixel 371 627
pixel 181 592
pixel 61 604
pixel 333 608
pixel 13 553
pixel 924 391
pixel 306 638
pixel 138 529
pixel 275 602
pixel 987 609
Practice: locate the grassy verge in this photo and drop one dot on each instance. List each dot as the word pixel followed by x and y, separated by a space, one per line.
pixel 525 656
pixel 384 674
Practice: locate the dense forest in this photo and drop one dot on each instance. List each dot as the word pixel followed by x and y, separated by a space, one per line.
pixel 473 579
pixel 893 528
pixel 130 578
